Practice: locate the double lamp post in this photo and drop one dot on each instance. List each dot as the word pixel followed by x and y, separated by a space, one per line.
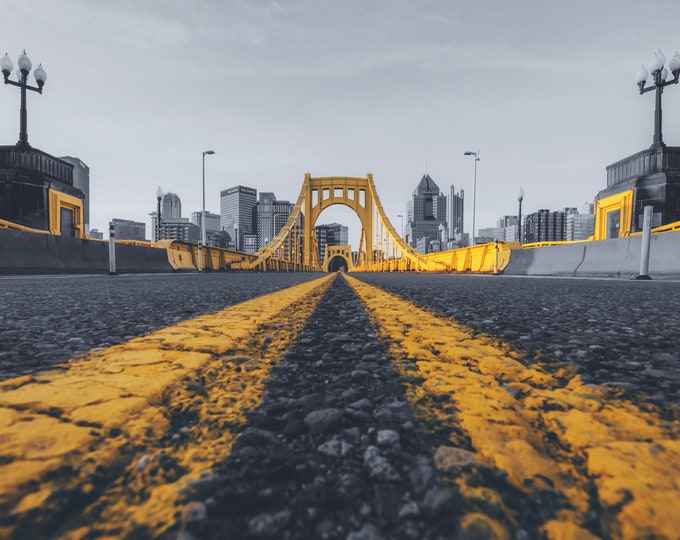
pixel 25 65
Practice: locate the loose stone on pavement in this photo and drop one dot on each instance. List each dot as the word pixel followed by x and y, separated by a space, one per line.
pixel 333 450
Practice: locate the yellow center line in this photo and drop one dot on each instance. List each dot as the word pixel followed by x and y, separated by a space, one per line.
pixel 134 430
pixel 543 430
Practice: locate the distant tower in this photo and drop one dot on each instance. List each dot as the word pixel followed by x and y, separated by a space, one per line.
pixel 171 206
pixel 426 211
pixel 271 216
pixel 81 180
pixel 456 209
pixel 237 213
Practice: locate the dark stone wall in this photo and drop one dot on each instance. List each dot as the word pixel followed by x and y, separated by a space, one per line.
pixel 32 253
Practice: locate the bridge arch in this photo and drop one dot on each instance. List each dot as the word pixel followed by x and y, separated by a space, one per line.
pixel 336 256
pixel 295 247
pixel 322 193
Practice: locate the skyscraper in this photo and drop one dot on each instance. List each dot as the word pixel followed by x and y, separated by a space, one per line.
pixel 271 217
pixel 237 212
pixel 456 212
pixel 171 206
pixel 331 234
pixel 426 212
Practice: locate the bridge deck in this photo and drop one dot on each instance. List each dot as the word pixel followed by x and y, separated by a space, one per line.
pixel 337 409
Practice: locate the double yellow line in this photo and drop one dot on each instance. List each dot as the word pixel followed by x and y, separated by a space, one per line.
pixel 547 435
pixel 126 437
pixel 123 436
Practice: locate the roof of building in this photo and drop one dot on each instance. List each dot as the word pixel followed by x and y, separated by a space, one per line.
pixel 426 185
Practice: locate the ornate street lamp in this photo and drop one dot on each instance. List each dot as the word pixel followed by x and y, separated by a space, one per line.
pixel 201 246
pixel 659 74
pixel 520 198
pixel 159 197
pixel 22 77
pixel 474 192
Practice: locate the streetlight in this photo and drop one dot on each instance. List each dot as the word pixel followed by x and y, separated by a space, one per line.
pixel 474 192
pixel 402 224
pixel 159 196
pixel 22 77
pixel 659 74
pixel 520 197
pixel 202 244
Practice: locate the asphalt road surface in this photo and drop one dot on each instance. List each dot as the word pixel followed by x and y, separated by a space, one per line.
pixel 47 320
pixel 613 331
pixel 616 331
pixel 354 434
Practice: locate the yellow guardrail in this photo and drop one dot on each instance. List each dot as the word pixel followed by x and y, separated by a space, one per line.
pixel 491 258
pixel 4 224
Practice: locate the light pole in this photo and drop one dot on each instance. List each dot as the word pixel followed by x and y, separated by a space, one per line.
pixel 402 224
pixel 202 244
pixel 159 197
pixel 474 192
pixel 659 74
pixel 22 77
pixel 520 197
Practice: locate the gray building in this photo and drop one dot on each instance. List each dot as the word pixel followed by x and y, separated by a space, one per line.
pixel 237 213
pixel 580 226
pixel 271 217
pixel 426 211
pixel 331 234
pixel 456 213
pixel 543 226
pixel 126 229
pixel 179 229
pixel 81 180
pixel 212 226
pixel 171 206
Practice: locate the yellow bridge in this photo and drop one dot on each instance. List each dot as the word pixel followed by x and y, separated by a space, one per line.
pixel 380 249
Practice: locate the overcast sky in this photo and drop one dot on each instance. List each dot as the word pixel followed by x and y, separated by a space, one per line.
pixel 137 89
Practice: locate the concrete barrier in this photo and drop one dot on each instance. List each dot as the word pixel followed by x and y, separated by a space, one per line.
pixel 31 253
pixel 520 262
pixel 606 258
pixel 618 257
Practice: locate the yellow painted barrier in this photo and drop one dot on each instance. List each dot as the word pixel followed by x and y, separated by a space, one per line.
pixel 489 258
pixel 4 224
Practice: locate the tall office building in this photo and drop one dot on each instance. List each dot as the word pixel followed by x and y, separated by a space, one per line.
pixel 426 212
pixel 332 234
pixel 271 217
pixel 456 212
pixel 237 213
pixel 81 180
pixel 126 229
pixel 544 226
pixel 171 206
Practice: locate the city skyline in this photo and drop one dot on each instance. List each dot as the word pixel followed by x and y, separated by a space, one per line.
pixel 545 91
